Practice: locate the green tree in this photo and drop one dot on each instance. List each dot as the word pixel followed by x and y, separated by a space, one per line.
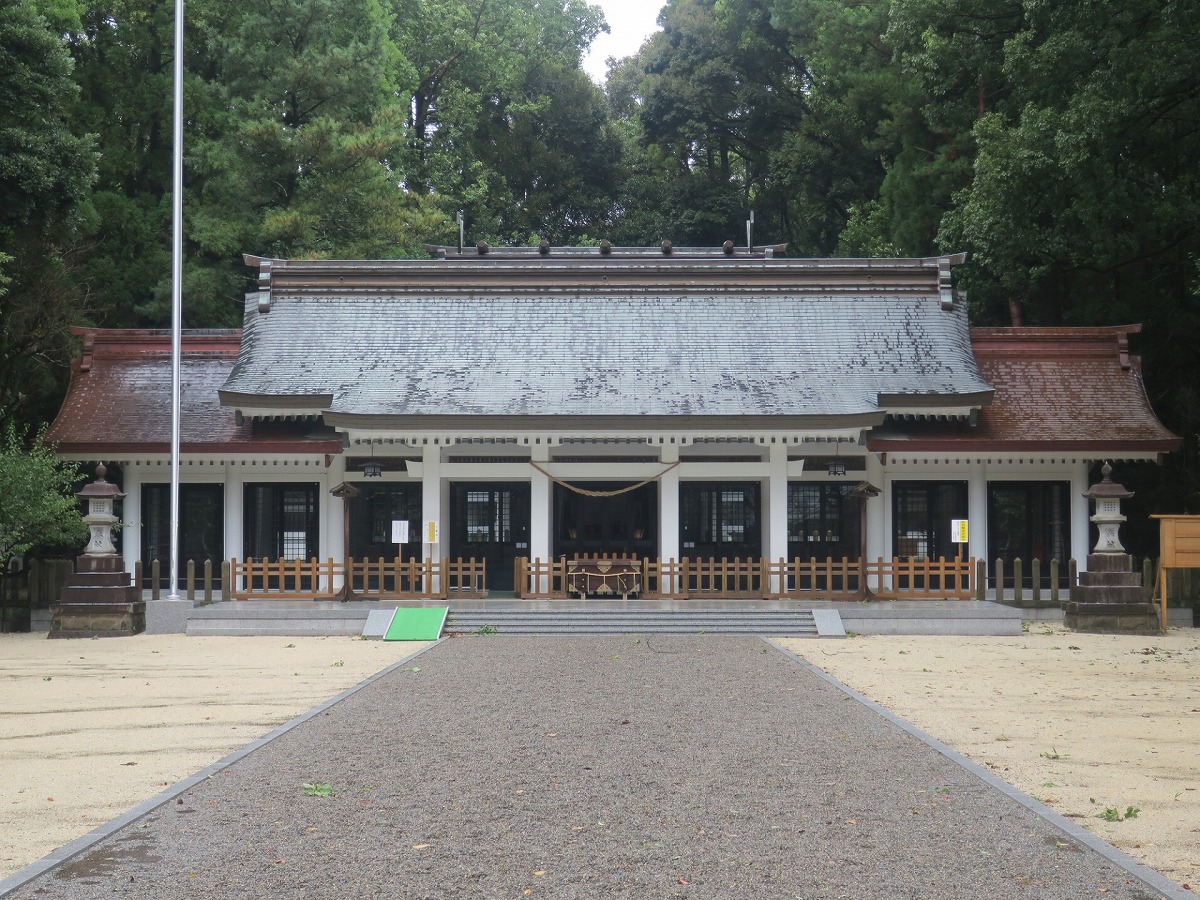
pixel 721 88
pixel 46 172
pixel 773 105
pixel 501 123
pixel 296 124
pixel 558 156
pixel 37 504
pixel 123 63
pixel 1083 205
pixel 290 141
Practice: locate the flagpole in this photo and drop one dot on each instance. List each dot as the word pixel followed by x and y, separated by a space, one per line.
pixel 176 294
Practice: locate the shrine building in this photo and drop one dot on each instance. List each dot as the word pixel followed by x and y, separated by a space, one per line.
pixel 641 403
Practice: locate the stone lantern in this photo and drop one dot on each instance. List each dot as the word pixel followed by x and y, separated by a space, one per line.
pixel 99 599
pixel 100 519
pixel 1109 597
pixel 1106 498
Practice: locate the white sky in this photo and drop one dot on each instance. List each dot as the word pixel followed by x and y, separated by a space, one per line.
pixel 631 22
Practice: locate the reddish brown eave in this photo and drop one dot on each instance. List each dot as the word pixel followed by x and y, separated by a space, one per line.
pixel 1032 342
pixel 230 448
pixel 127 344
pixel 133 343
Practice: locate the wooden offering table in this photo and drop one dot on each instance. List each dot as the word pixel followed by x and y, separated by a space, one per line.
pixel 604 577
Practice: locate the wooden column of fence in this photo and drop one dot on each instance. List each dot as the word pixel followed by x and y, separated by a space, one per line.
pixel 665 579
pixel 799 579
pixel 724 578
pixel 920 578
pixel 540 579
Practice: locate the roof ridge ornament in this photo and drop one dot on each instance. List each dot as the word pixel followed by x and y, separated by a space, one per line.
pixel 945 283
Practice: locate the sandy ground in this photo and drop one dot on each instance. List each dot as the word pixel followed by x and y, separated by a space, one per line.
pixel 1105 730
pixel 90 728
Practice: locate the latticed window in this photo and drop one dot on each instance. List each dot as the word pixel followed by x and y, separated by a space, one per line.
pixel 201 525
pixel 374 510
pixel 489 516
pixel 722 517
pixel 296 514
pixel 281 521
pixel 921 515
pixel 823 514
pixel 734 514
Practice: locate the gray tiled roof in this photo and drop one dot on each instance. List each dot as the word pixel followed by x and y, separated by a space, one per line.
pixel 732 350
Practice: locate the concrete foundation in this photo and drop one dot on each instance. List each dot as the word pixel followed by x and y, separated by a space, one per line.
pixel 1111 618
pixel 167 616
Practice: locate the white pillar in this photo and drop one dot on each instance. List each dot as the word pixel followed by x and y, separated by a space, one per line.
pixel 431 500
pixel 540 504
pixel 668 506
pixel 977 511
pixel 874 541
pixel 335 540
pixel 131 518
pixel 330 511
pixel 234 543
pixel 775 540
pixel 1081 529
pixel 233 512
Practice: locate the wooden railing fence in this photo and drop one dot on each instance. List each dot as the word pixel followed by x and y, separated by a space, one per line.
pixel 764 579
pixel 35 585
pixel 379 579
pixel 1036 582
pixel 909 578
pixel 1035 589
pixel 193 582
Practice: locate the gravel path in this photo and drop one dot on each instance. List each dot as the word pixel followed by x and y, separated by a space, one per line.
pixel 673 767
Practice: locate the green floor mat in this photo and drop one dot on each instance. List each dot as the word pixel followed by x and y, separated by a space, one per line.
pixel 417 623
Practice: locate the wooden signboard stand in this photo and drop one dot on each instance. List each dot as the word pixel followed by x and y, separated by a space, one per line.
pixel 1179 548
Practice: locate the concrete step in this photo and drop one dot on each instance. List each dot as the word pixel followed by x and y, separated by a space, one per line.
pixel 799 623
pixel 350 620
pixel 221 619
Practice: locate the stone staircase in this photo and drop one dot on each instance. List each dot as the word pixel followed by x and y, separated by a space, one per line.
pixel 351 619
pixel 782 623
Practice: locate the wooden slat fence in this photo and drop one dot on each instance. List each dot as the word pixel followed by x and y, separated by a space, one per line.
pixel 464 578
pixel 35 586
pixel 209 578
pixel 540 579
pixel 764 579
pixel 406 579
pixel 803 579
pixel 378 579
pixel 665 579
pixel 724 578
pixel 920 579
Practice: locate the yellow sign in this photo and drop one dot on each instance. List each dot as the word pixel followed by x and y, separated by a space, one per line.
pixel 958 530
pixel 431 532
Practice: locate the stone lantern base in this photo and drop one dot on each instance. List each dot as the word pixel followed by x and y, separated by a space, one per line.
pixel 1110 599
pixel 98 601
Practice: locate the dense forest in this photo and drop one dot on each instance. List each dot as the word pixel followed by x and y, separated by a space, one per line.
pixel 1057 142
